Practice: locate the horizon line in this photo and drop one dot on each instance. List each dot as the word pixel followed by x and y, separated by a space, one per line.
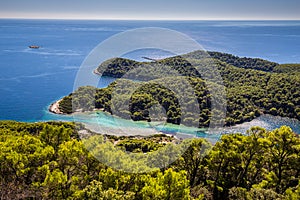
pixel 156 19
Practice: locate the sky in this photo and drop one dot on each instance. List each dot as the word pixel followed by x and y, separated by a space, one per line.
pixel 152 9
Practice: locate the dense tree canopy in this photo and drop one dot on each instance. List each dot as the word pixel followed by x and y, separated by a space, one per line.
pixel 49 161
pixel 251 89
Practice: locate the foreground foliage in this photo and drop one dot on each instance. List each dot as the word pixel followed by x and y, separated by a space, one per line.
pixel 49 161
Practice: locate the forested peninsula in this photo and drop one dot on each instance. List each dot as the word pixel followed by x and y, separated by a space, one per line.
pixel 253 87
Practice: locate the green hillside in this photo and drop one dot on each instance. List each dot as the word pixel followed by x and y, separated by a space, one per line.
pixel 265 88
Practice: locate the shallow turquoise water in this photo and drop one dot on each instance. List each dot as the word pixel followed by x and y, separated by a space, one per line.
pixel 105 123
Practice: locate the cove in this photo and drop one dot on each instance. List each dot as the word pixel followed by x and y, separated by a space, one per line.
pixel 105 123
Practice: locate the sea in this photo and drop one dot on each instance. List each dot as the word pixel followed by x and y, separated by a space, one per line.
pixel 32 79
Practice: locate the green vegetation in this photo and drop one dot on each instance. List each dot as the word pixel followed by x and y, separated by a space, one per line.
pixel 117 67
pixel 49 161
pixel 247 63
pixel 287 68
pixel 253 87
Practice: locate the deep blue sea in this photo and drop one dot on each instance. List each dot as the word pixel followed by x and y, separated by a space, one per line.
pixel 31 79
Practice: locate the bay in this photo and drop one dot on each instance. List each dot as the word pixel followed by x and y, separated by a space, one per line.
pixel 31 79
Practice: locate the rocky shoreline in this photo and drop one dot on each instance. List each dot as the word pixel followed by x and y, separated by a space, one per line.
pixel 54 107
pixel 95 71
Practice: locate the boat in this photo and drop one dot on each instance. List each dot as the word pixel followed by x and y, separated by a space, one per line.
pixel 34 47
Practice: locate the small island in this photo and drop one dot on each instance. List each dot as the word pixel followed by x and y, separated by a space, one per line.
pixel 253 87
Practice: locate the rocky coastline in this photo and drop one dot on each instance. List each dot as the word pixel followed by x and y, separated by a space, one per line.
pixel 54 108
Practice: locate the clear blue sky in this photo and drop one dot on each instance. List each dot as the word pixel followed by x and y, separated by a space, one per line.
pixel 151 9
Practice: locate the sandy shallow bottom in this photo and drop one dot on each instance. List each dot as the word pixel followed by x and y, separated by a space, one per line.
pixel 104 123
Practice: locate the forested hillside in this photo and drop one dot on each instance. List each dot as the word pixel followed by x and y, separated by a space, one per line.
pixel 253 87
pixel 117 67
pixel 247 63
pixel 48 161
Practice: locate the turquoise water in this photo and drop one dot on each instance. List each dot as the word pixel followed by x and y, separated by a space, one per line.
pixel 105 123
pixel 31 79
